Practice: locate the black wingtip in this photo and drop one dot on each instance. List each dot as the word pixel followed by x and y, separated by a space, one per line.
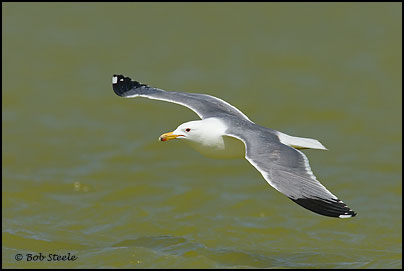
pixel 122 84
pixel 332 208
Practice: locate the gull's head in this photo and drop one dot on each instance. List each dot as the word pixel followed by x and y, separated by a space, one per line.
pixel 197 130
pixel 191 130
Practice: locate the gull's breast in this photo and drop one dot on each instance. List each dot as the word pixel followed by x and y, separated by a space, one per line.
pixel 220 147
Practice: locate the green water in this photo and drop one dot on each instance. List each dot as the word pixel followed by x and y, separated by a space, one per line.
pixel 83 172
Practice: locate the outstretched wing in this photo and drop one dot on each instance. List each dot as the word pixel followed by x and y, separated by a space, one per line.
pixel 289 172
pixel 205 106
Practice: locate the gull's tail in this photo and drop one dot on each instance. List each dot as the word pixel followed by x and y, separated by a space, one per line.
pixel 300 142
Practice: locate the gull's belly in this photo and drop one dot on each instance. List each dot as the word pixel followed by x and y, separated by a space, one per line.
pixel 223 147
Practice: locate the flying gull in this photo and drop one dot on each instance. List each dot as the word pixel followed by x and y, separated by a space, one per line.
pixel 224 131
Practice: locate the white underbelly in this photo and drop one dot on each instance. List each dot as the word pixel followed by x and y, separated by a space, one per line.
pixel 226 147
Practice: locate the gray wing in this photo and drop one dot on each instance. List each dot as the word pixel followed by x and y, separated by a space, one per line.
pixel 205 106
pixel 289 172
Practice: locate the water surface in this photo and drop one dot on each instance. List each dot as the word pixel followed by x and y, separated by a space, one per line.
pixel 83 172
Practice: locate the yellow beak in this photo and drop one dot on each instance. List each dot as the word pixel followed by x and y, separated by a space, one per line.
pixel 168 136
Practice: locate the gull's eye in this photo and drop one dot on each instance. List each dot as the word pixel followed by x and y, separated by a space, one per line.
pixel 188 129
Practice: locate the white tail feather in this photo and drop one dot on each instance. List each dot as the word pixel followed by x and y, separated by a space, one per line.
pixel 300 142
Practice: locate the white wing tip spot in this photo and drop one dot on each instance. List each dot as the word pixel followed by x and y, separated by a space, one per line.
pixel 114 80
pixel 345 216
